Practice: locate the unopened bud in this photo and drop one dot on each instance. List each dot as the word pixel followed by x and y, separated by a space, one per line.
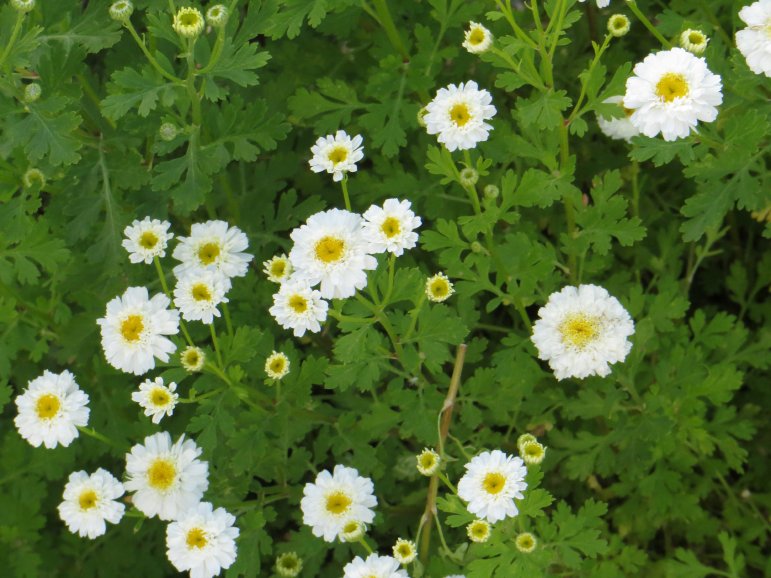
pixel 34 178
pixel 23 6
pixel 491 192
pixel 121 10
pixel 618 25
pixel 32 92
pixel 217 16
pixel 168 131
pixel 694 41
pixel 469 177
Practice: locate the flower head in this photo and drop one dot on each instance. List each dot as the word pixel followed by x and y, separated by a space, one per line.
pixel 491 483
pixel 694 41
pixel 289 564
pixel 23 6
pixel 478 531
pixel 618 25
pixel 337 154
pixel 439 288
pixel 213 245
pixel 428 462
pixel 89 501
pixel 391 228
pixel 121 10
pixel 405 551
pixel 217 15
pixel 352 531
pixel 156 398
pixel 192 358
pixel 188 22
pixel 477 38
pixel 523 439
pixel 199 292
pixel 525 542
pixel 374 566
pixel 298 307
pixel 278 268
pixel 458 114
pixel 754 41
pixel 619 128
pixel 146 239
pixel 277 365
pixel 600 3
pixel 532 452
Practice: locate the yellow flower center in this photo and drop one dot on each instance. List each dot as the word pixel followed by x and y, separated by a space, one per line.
pixel 189 19
pixel 338 155
pixel 479 530
pixel 338 503
pixel 161 474
pixel 278 268
pixel 672 86
pixel 148 240
pixel 494 483
pixel 427 461
pixel 330 249
pixel 132 327
pixel 391 227
pixel 350 527
pixel 695 37
pixel 192 358
pixel 298 304
pixel 459 114
pixel 208 253
pixel 525 542
pixel 47 406
pixel 277 365
pixel 439 288
pixel 477 36
pixel 87 500
pixel 200 292
pixel 196 538
pixel 160 397
pixel 579 330
pixel 404 550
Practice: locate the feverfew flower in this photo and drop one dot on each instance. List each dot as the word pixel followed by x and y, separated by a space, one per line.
pixel 618 25
pixel 330 249
pixel 156 398
pixel 439 288
pixel 278 268
pixel 491 483
pixel 352 531
pixel 188 22
pixel 217 15
pixel 289 564
pixel 525 542
pixel 478 531
pixel 167 479
pixel 694 41
pixel 198 293
pixel 51 409
pixel 133 330
pixel 146 239
pixel 532 452
pixel 277 365
pixel 335 499
pixel 754 42
pixel 90 501
pixel 478 39
pixel 600 3
pixel 428 462
pixel 213 245
pixel 192 358
pixel 374 567
pixel 581 331
pixel 202 540
pixel 458 114
pixel 620 128
pixel 670 92
pixel 405 551
pixel 336 154
pixel 523 439
pixel 298 307
pixel 391 228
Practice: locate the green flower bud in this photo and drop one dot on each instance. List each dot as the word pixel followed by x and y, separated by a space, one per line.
pixel 23 6
pixel 217 16
pixel 289 564
pixel 421 114
pixel 525 542
pixel 168 131
pixel 34 178
pixel 121 10
pixel 469 177
pixel 32 92
pixel 188 22
pixel 618 25
pixel 491 191
pixel 694 41
pixel 477 247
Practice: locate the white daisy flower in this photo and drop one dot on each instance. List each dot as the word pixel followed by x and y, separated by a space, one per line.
pixel 458 114
pixel 694 41
pixel 330 249
pixel 90 501
pixel 167 479
pixel 670 92
pixel 491 483
pixel 296 306
pixel 192 358
pixel 51 409
pixel 198 293
pixel 156 398
pixel 278 268
pixel 405 551
pixel 213 245
pixel 133 330
pixel 277 365
pixel 336 154
pixel 202 540
pixel 600 3
pixel 477 38
pixel 374 567
pixel 581 331
pixel 439 288
pixel 754 42
pixel 146 239
pixel 620 128
pixel 335 499
pixel 391 228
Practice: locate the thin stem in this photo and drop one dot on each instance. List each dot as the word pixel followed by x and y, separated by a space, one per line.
pixel 391 273
pixel 195 99
pixel 216 345
pixel 151 59
pixel 441 536
pixel 447 482
pixel 91 432
pixel 647 23
pixel 161 276
pixel 577 108
pixel 196 398
pixel 570 217
pixel 228 320
pixel 14 35
pixel 635 189
pixel 505 8
pixel 387 22
pixel 363 541
pixel 346 198
pixel 215 54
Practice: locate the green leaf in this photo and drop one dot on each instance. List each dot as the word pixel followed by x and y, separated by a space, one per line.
pixel 131 89
pixel 47 131
pixel 543 109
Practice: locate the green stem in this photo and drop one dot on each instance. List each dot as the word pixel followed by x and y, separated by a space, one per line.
pixel 577 108
pixel 216 345
pixel 14 35
pixel 570 217
pixel 447 482
pixel 197 398
pixel 414 315
pixel 91 432
pixel 228 320
pixel 520 307
pixel 215 54
pixel 161 276
pixel 391 273
pixel 647 23
pixel 387 22
pixel 505 8
pixel 635 189
pixel 346 198
pixel 441 537
pixel 363 541
pixel 195 99
pixel 561 12
pixel 150 58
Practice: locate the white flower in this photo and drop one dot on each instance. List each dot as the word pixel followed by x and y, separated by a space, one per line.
pixel 133 330
pixel 670 92
pixel 335 499
pixel 439 288
pixel 620 128
pixel 51 409
pixel 600 3
pixel 477 38
pixel 336 154
pixel 296 306
pixel 405 551
pixel 374 567
pixel 213 245
pixel 146 239
pixel 491 483
pixel 581 331
pixel 694 41
pixel 428 462
pixel 277 365
pixel 198 293
pixel 278 268
pixel 754 42
pixel 202 540
pixel 458 114
pixel 330 249
pixel 192 358
pixel 156 398
pixel 168 479
pixel 90 501
pixel 391 228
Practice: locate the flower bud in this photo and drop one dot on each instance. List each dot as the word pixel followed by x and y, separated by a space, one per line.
pixel 405 551
pixel 491 192
pixel 478 39
pixel 217 16
pixel 525 542
pixel 532 452
pixel 193 358
pixel 694 41
pixel 469 177
pixel 478 531
pixel 523 439
pixel 23 6
pixel 34 178
pixel 421 114
pixel 428 462
pixel 168 131
pixel 352 531
pixel 121 10
pixel 618 25
pixel 477 247
pixel 188 22
pixel 289 564
pixel 32 92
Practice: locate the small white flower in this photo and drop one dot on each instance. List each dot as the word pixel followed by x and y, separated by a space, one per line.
pixel 477 38
pixel 198 293
pixel 146 239
pixel 620 128
pixel 694 41
pixel 478 531
pixel 51 409
pixel 336 154
pixel 278 268
pixel 213 245
pixel 289 564
pixel 374 567
pixel 405 551
pixel 391 228
pixel 192 358
pixel 335 499
pixel 134 329
pixel 439 288
pixel 156 398
pixel 670 92
pixel 581 331
pixel 754 41
pixel 167 479
pixel 298 307
pixel 428 462
pixel 90 501
pixel 202 540
pixel 458 114
pixel 277 365
pixel 491 483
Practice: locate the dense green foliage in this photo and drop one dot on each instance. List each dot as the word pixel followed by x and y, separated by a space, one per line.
pixel 660 469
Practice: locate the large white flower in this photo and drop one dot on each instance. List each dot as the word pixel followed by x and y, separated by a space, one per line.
pixel 90 501
pixel 491 483
pixel 581 331
pixel 620 128
pixel 754 42
pixel 213 245
pixel 374 567
pixel 133 330
pixel 156 398
pixel 202 540
pixel 336 499
pixel 168 479
pixel 336 154
pixel 391 228
pixel 330 249
pixel 458 114
pixel 298 307
pixel 198 293
pixel 146 239
pixel 670 92
pixel 51 409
